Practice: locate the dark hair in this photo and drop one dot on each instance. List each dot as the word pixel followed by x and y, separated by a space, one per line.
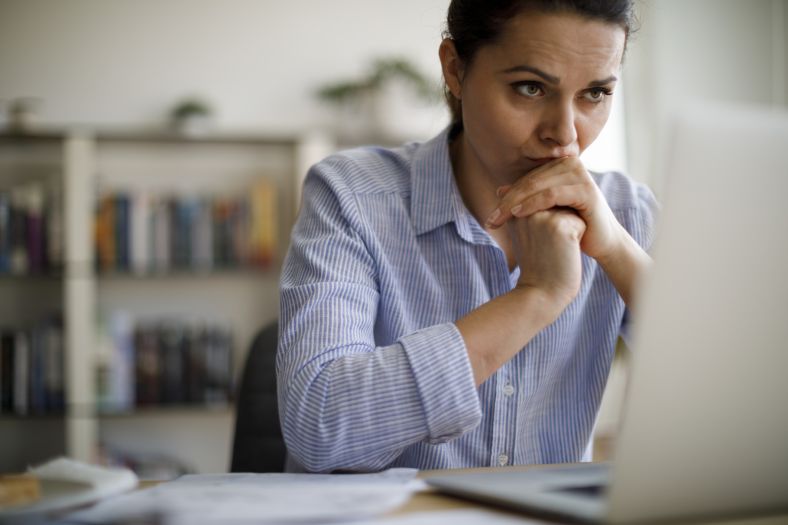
pixel 472 24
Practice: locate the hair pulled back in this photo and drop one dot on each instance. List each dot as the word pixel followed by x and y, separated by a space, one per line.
pixel 472 24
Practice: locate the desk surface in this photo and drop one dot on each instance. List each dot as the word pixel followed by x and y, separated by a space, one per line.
pixel 432 500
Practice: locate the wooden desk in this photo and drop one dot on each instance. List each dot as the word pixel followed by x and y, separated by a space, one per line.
pixel 431 500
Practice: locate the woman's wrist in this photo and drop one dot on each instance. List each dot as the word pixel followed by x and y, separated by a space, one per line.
pixel 544 303
pixel 625 264
pixel 618 249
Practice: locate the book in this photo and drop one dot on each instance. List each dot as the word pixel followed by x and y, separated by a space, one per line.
pixel 141 232
pixel 121 232
pixel 34 230
pixel 31 369
pixel 146 369
pixel 5 232
pixel 18 232
pixel 140 235
pixel 21 377
pixel 7 371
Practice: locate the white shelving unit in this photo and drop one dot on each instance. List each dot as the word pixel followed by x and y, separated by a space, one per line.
pixel 89 163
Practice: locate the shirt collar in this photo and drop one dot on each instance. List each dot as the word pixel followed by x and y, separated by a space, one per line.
pixel 435 198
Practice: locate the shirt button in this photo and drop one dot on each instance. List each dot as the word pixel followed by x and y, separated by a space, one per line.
pixel 508 389
pixel 503 459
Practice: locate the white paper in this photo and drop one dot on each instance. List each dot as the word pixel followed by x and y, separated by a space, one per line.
pixel 66 483
pixel 454 517
pixel 261 498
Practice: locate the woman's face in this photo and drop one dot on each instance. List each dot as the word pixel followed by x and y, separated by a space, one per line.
pixel 542 91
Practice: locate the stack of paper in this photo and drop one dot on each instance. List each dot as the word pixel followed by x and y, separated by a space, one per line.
pixel 260 498
pixel 65 483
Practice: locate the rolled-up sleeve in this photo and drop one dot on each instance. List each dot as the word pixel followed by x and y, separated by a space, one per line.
pixel 344 402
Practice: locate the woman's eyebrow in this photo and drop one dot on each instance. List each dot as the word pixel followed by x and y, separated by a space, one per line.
pixel 551 79
pixel 598 83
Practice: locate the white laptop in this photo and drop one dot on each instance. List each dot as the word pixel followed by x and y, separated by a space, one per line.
pixel 705 422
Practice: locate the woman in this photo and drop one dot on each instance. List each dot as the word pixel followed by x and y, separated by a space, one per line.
pixel 456 303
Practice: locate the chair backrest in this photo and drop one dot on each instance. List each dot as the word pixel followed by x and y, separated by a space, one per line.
pixel 258 445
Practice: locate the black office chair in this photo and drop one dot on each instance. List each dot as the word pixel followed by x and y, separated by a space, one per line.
pixel 258 445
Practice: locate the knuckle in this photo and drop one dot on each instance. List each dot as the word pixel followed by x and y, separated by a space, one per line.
pixel 550 194
pixel 567 225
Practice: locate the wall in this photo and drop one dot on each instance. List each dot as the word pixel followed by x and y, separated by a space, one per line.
pixel 690 50
pixel 259 61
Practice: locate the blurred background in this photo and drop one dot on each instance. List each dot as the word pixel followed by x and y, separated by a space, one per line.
pixel 151 155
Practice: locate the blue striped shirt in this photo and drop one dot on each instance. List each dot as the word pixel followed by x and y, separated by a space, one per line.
pixel 372 371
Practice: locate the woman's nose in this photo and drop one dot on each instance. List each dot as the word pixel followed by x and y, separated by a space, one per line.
pixel 558 125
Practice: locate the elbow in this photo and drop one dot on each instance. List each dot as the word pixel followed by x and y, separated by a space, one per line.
pixel 308 437
pixel 311 446
pixel 323 444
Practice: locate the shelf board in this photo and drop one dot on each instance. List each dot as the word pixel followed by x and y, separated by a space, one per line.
pixel 28 277
pixel 220 409
pixel 43 135
pixel 218 138
pixel 153 136
pixel 38 416
pixel 272 271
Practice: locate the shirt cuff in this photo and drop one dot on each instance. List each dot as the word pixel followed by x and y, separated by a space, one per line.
pixel 444 379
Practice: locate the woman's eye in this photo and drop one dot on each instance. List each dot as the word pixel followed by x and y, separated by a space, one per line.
pixel 529 89
pixel 597 95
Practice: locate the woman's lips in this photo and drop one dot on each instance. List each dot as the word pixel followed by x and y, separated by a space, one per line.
pixel 541 161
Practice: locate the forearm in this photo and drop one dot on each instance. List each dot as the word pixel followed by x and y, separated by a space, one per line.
pixel 625 267
pixel 498 329
pixel 361 409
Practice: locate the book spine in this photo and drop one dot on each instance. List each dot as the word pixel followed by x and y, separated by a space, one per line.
pixel 55 233
pixel 263 239
pixel 34 211
pixel 5 232
pixel 37 373
pixel 171 356
pixel 148 365
pixel 195 377
pixel 202 239
pixel 19 259
pixel 6 371
pixel 140 233
pixel 105 234
pixel 121 232
pixel 21 373
pixel 53 382
pixel 121 363
pixel 162 232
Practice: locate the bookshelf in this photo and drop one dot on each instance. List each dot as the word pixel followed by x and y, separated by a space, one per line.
pixel 92 294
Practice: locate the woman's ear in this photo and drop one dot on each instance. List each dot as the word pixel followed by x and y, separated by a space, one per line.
pixel 452 67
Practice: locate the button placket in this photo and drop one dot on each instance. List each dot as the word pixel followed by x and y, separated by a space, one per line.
pixel 503 433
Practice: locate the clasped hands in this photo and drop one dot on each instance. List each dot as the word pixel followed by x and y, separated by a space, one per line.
pixel 553 213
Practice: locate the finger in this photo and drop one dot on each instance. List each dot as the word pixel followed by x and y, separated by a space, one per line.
pixel 503 190
pixel 548 166
pixel 574 196
pixel 562 173
pixel 518 204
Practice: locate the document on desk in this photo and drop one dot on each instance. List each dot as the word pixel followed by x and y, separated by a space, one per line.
pixel 259 498
pixel 455 517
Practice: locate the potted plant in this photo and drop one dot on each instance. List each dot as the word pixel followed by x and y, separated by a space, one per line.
pixel 192 117
pixel 368 106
